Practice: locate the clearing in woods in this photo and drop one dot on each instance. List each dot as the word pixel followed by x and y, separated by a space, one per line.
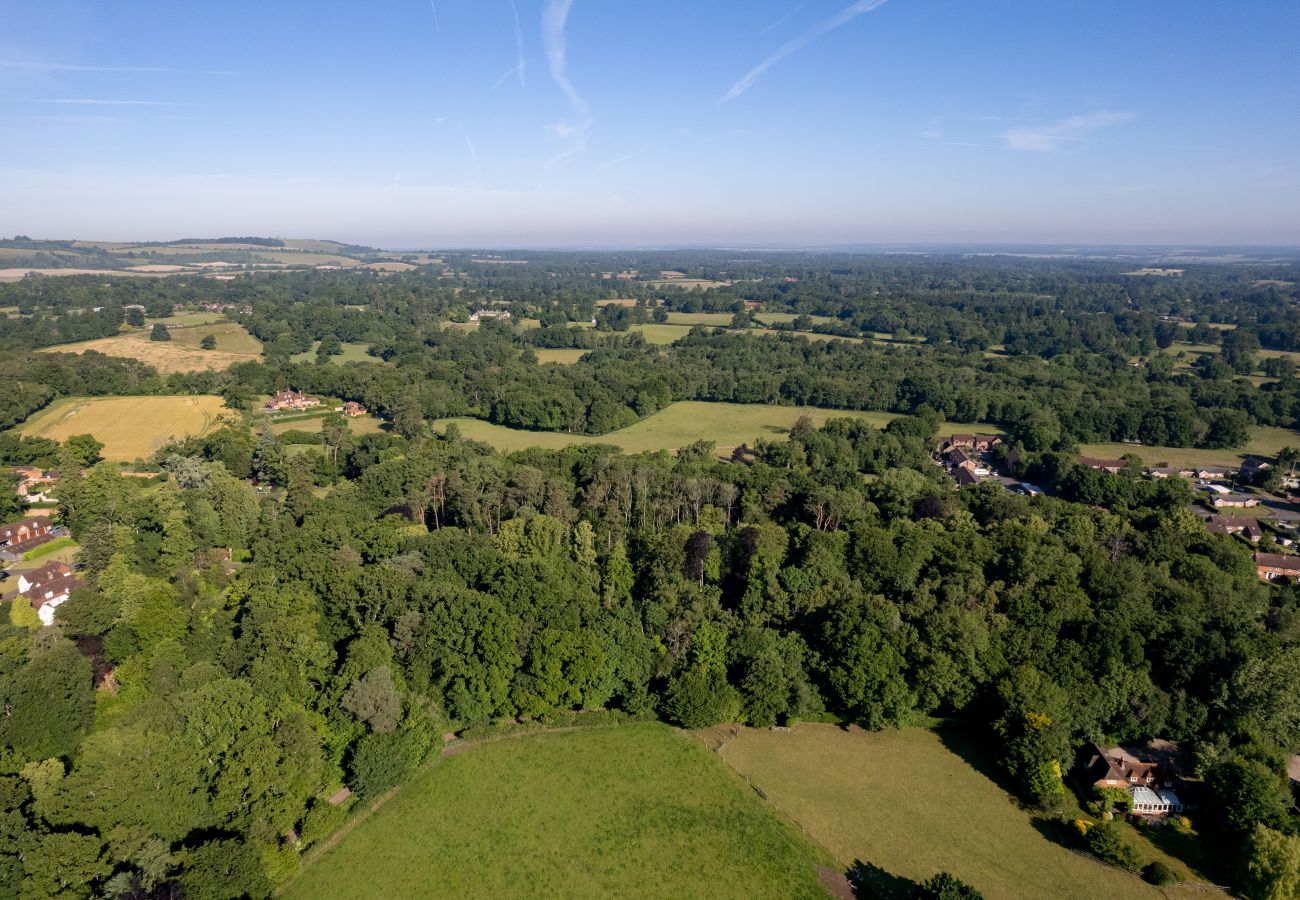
pixel 911 803
pixel 129 427
pixel 181 353
pixel 625 811
pixel 682 423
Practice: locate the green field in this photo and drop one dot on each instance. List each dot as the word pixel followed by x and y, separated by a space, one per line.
pixel 1264 441
pixel 682 423
pixel 662 334
pixel 564 355
pixel 717 320
pixel 358 425
pixel 772 318
pixel 129 427
pixel 912 803
pixel 231 338
pixel 199 317
pixel 181 353
pixel 628 811
pixel 351 353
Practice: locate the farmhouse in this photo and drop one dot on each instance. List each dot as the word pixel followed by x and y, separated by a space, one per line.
pixel 47 588
pixel 980 443
pixel 1271 566
pixel 1242 525
pixel 290 400
pixel 1113 466
pixel 26 530
pixel 481 314
pixel 352 409
pixel 965 475
pixel 1148 774
pixel 33 482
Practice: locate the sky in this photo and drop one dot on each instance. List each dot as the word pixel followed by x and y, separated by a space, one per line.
pixel 440 123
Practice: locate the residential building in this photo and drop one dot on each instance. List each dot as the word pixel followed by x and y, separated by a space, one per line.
pixel 1242 525
pixel 1234 501
pixel 980 443
pixel 1271 566
pixel 481 314
pixel 1113 466
pixel 1148 774
pixel 1252 467
pixel 352 409
pixel 46 589
pixel 290 399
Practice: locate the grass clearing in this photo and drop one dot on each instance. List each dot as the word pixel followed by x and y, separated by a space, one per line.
pixel 679 424
pixel 913 803
pixel 181 353
pixel 564 356
pixel 774 318
pixel 129 427
pixel 662 334
pixel 627 811
pixel 1264 441
pixel 230 337
pixel 351 353
pixel 715 320
pixel 358 426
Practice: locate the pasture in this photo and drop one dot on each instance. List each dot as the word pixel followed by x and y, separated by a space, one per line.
pixel 712 320
pixel 129 427
pixel 626 811
pixel 181 353
pixel 351 353
pixel 911 803
pixel 679 424
pixel 358 426
pixel 1264 441
pixel 565 356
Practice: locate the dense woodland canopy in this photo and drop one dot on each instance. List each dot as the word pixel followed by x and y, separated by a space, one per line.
pixel 398 585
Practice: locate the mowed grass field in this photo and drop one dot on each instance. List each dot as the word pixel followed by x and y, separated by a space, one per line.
pixel 351 353
pixel 1265 441
pixel 181 353
pixel 682 423
pixel 627 811
pixel 904 802
pixel 129 427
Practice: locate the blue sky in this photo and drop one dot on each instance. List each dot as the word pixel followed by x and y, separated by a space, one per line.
pixel 550 122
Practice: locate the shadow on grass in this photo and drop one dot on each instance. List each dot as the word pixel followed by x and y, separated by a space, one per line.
pixel 975 748
pixel 871 881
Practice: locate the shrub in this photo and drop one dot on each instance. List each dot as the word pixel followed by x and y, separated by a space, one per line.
pixel 1103 842
pixel 946 887
pixel 1159 873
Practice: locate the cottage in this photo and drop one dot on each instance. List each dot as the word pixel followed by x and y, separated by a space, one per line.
pixel 290 399
pixel 1012 459
pixel 1271 566
pixel 26 530
pixel 352 409
pixel 33 483
pixel 965 476
pixel 46 589
pixel 1148 774
pixel 1113 466
pixel 1213 473
pixel 1242 525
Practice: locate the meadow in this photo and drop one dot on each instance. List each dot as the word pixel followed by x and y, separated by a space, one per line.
pixel 682 423
pixel 1264 441
pixel 626 811
pixel 911 803
pixel 564 355
pixel 181 353
pixel 351 353
pixel 129 427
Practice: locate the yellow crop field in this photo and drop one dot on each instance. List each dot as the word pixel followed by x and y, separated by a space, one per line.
pixel 129 427
pixel 181 353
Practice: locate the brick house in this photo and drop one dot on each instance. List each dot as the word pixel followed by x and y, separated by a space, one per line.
pixel 980 443
pixel 27 530
pixel 290 400
pixel 1113 466
pixel 46 589
pixel 1147 774
pixel 1242 525
pixel 353 409
pixel 1271 566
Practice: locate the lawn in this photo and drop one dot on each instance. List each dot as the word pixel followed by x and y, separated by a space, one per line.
pixel 911 803
pixel 679 424
pixel 181 353
pixel 359 425
pixel 628 811
pixel 1264 441
pixel 129 427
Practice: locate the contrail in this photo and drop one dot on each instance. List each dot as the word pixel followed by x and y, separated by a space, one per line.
pixel 554 16
pixel 843 17
pixel 521 62
pixel 469 143
pixel 437 25
pixel 785 18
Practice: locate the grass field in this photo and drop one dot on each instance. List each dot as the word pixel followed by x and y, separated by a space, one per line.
pixel 200 317
pixel 906 803
pixel 351 353
pixel 564 355
pixel 662 334
pixel 181 353
pixel 1264 441
pixel 629 811
pixel 679 424
pixel 772 318
pixel 717 320
pixel 359 425
pixel 129 427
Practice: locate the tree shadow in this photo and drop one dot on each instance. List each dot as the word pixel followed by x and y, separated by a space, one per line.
pixel 871 881
pixel 975 748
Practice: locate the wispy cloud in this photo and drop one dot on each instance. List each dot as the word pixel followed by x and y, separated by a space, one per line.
pixel 521 61
pixel 610 163
pixel 437 23
pixel 86 101
pixel 70 67
pixel 555 15
pixel 821 29
pixel 469 145
pixel 1054 135
pixel 785 18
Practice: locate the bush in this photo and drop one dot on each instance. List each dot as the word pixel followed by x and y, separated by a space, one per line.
pixel 1103 842
pixel 159 333
pixel 1159 873
pixel 946 887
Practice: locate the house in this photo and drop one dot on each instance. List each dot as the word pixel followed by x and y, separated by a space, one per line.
pixel 290 400
pixel 1252 467
pixel 1170 472
pixel 965 476
pixel 1237 501
pixel 957 457
pixel 1113 466
pixel 1242 525
pixel 1271 566
pixel 980 443
pixel 753 305
pixel 25 531
pixel 1013 458
pixel 481 314
pixel 1148 774
pixel 46 589
pixel 1213 473
pixel 33 483
pixel 352 409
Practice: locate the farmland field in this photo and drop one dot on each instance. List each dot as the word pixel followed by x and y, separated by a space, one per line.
pixel 717 320
pixel 679 424
pixel 627 811
pixel 358 425
pixel 912 803
pixel 129 427
pixel 662 334
pixel 181 353
pixel 1264 441
pixel 564 355
pixel 351 353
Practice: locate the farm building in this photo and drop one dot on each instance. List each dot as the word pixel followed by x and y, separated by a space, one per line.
pixel 33 483
pixel 20 537
pixel 290 400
